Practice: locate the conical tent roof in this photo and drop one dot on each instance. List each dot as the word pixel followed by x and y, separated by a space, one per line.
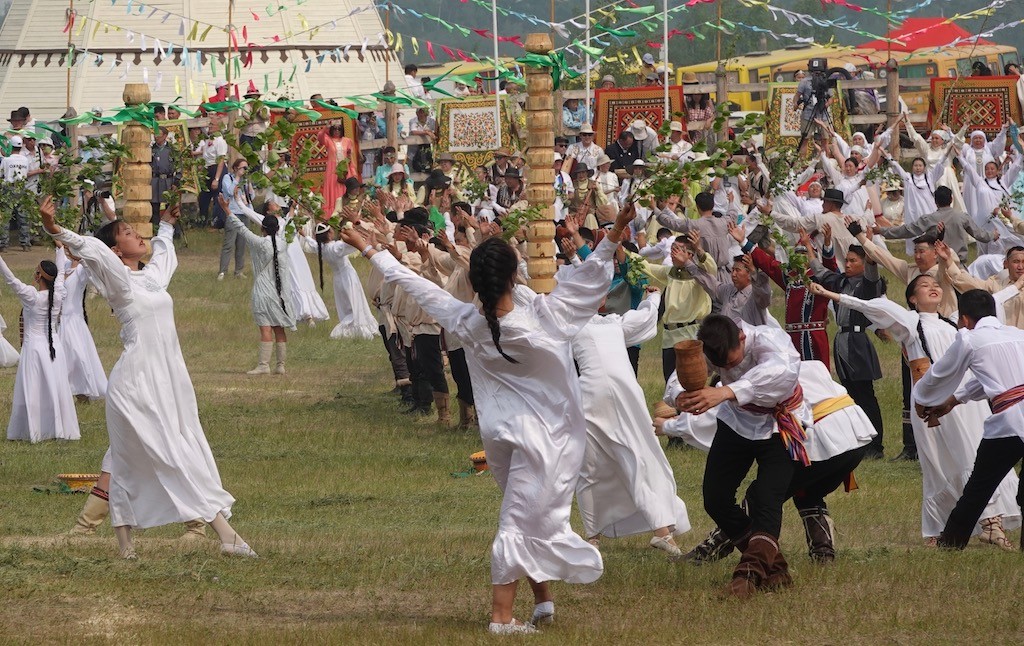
pixel 332 48
pixel 923 33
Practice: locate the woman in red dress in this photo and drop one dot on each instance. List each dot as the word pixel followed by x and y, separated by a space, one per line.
pixel 338 147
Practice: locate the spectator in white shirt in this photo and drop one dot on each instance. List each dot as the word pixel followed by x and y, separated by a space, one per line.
pixel 415 87
pixel 681 150
pixel 14 169
pixel 585 151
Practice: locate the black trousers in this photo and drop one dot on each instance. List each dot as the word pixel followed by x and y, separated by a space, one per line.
pixel 460 374
pixel 811 484
pixel 863 393
pixel 207 194
pixel 668 362
pixel 399 365
pixel 634 359
pixel 994 460
pixel 729 460
pixel 427 368
pixel 909 443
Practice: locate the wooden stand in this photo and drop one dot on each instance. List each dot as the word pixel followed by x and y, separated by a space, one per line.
pixel 540 155
pixel 137 172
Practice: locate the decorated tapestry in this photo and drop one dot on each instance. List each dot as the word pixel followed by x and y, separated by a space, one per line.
pixel 469 129
pixel 782 126
pixel 310 130
pixel 984 103
pixel 616 108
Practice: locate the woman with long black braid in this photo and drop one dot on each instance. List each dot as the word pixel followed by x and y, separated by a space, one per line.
pixel 946 451
pixel 269 291
pixel 528 403
pixel 42 407
pixel 85 371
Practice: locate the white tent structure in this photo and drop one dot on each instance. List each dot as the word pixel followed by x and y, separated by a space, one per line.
pixel 330 47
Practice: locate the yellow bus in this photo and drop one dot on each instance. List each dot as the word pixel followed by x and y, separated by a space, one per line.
pixel 946 63
pixel 753 67
pixel 862 59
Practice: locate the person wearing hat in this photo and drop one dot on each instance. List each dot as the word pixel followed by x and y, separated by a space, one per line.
pixel 934 148
pixel 638 173
pixel 585 151
pixel 457 173
pixel 587 200
pixel 573 114
pixel 680 149
pixel 258 121
pixel 607 181
pixel 623 152
pixel 398 184
pixel 501 164
pixel 850 182
pixel 892 202
pixel 645 136
pixel 14 168
pixel 510 192
pixel 355 193
pixel 563 188
pixel 20 119
pixel 608 82
pixel 422 125
pixel 436 186
pixel 832 214
pixel 647 69
pixel 700 117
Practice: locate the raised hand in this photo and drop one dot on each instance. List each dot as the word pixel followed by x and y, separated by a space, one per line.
pixel 48 214
pixel 354 238
pixel 942 251
pixel 826 232
pixel 568 247
pixel 737 233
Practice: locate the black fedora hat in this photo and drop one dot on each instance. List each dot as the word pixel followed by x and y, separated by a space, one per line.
pixel 833 195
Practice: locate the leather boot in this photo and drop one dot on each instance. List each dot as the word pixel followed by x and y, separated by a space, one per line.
pixel 713 548
pixel 444 416
pixel 778 574
pixel 263 365
pixel 195 530
pixel 753 568
pixel 282 354
pixel 93 514
pixel 467 416
pixel 407 396
pixel 818 530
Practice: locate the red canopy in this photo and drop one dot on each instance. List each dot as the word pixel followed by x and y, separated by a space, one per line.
pixel 923 33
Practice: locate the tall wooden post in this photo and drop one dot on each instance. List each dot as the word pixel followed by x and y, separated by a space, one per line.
pixel 390 115
pixel 892 101
pixel 540 155
pixel 722 94
pixel 137 172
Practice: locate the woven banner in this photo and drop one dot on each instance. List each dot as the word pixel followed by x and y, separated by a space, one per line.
pixel 308 130
pixel 984 103
pixel 615 109
pixel 468 129
pixel 783 126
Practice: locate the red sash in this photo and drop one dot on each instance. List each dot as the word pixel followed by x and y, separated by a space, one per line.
pixel 1011 397
pixel 791 429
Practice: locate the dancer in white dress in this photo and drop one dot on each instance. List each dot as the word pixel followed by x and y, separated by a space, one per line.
pixel 528 403
pixel 162 468
pixel 946 451
pixel 306 303
pixel 42 407
pixel 85 371
pixel 918 188
pixel 355 321
pixel 626 486
pixel 938 146
pixel 8 353
pixel 270 295
pixel 987 194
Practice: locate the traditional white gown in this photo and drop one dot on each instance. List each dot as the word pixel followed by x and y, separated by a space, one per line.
pixel 932 156
pixel 354 317
pixel 306 303
pixel 162 469
pixel 984 196
pixel 531 418
pixel 918 192
pixel 85 371
pixel 627 485
pixel 42 407
pixel 8 353
pixel 946 451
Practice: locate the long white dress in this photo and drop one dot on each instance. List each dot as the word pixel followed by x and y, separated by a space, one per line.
pixel 85 371
pixel 933 156
pixel 531 418
pixel 162 469
pixel 8 353
pixel 946 451
pixel 984 196
pixel 627 485
pixel 305 302
pixel 355 321
pixel 42 407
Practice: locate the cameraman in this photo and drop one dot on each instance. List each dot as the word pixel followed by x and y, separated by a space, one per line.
pixel 813 96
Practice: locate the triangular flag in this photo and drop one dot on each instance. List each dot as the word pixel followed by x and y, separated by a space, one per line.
pixel 205 33
pixel 195 30
pixel 415 46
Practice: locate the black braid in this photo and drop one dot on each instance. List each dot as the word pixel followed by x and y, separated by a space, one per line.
pixel 492 269
pixel 85 312
pixel 320 261
pixel 924 344
pixel 277 273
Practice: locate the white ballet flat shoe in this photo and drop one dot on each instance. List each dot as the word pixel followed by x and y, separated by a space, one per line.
pixel 239 549
pixel 511 628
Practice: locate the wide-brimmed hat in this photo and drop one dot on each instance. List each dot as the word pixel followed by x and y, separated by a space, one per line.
pixel 15 115
pixel 638 129
pixel 353 183
pixel 603 159
pixel 513 173
pixel 581 168
pixel 437 179
pixel 445 157
pixel 689 78
pixel 558 157
pixel 676 126
pixel 608 78
pixel 833 195
pixel 395 169
pixel 586 129
pixel 639 162
pixel 502 152
pixel 892 185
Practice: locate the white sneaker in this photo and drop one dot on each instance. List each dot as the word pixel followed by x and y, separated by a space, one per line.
pixel 543 613
pixel 668 545
pixel 511 628
pixel 220 276
pixel 242 549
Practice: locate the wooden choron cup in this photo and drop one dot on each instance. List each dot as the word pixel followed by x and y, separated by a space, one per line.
pixel 691 366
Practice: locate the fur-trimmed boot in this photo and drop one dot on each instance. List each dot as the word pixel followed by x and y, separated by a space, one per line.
pixel 263 364
pixel 282 353
pixel 93 514
pixel 819 530
pixel 195 531
pixel 444 416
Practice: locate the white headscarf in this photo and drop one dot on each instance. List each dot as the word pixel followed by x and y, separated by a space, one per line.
pixel 977 133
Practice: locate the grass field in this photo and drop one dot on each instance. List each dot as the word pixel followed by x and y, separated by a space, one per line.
pixel 366 537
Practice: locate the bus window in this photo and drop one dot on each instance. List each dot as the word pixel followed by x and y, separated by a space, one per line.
pixel 927 70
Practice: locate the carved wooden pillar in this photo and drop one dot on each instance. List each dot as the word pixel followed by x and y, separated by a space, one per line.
pixel 540 191
pixel 137 173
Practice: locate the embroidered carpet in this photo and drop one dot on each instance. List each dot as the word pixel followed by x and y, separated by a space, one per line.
pixel 615 109
pixel 983 102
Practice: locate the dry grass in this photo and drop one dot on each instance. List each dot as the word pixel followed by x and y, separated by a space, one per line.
pixel 366 538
